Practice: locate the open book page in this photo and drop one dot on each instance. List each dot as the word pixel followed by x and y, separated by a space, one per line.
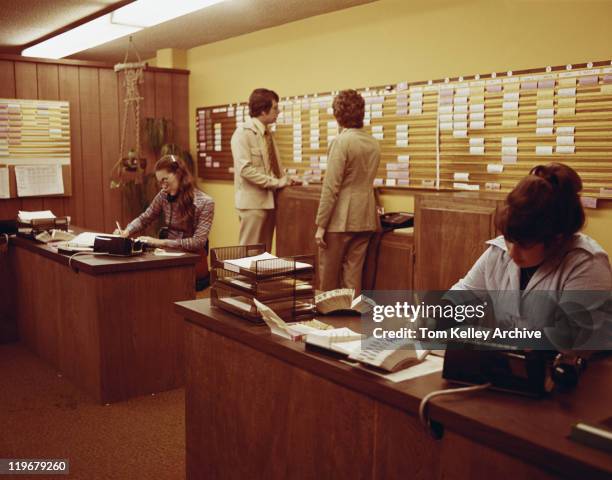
pixel 341 340
pixel 37 215
pixel 250 263
pixel 293 331
pixel 390 355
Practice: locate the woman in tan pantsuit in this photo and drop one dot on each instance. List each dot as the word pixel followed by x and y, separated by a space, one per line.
pixel 347 214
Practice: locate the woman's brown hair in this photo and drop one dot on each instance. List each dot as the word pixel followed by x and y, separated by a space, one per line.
pixel 184 194
pixel 544 207
pixel 349 108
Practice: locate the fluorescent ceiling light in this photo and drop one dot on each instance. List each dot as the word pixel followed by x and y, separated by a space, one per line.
pixel 123 21
pixel 146 13
pixel 88 35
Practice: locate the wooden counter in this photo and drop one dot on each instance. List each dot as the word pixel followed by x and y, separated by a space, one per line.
pixel 258 406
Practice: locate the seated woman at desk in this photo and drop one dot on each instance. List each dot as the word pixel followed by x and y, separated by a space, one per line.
pixel 347 216
pixel 188 212
pixel 540 246
pixel 541 249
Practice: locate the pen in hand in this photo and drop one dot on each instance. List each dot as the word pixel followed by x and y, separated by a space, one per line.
pixel 119 229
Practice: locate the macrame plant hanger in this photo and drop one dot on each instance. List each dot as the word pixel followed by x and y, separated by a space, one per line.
pixel 133 75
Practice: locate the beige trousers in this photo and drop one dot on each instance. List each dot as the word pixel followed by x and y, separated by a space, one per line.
pixel 341 263
pixel 257 226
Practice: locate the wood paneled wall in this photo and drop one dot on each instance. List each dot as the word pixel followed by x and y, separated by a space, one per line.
pixel 96 109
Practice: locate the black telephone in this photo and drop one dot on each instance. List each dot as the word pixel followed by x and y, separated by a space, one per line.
pixel 397 220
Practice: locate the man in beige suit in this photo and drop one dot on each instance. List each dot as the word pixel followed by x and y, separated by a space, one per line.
pixel 347 210
pixel 258 171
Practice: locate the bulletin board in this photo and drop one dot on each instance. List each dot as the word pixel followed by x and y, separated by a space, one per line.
pixel 34 148
pixel 483 132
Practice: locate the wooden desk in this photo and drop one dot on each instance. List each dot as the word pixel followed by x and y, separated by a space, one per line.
pixel 258 406
pixel 111 327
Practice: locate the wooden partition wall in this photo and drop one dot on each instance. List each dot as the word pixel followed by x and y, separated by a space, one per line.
pixel 96 107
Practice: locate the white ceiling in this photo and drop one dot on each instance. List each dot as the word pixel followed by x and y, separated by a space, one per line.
pixel 26 20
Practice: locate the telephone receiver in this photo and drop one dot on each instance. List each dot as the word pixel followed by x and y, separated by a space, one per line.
pixel 397 220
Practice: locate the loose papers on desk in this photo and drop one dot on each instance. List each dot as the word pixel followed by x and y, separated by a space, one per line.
pixel 250 263
pixel 26 217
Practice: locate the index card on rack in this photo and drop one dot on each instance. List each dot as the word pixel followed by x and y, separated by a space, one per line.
pixel 447 117
pixel 476 142
pixel 378 182
pixel 4 183
pixel 401 135
pixel 466 186
pixel 402 127
pixel 592 80
pixel 544 122
pixel 545 112
pixel 507 141
pixel 477 107
pixel 509 150
pixel 478 116
pixel 460 100
pixel 565 149
pixel 462 92
pixel 460 133
pixel 477 125
pixel 544 131
pixel 460 117
pixel 567 82
pixel 567 92
pixel 401 142
pixel 39 180
pixel 446 125
pixel 445 109
pixel 464 176
pixel 479 150
pixel 544 150
pixel 495 168
pixel 461 109
pixel 459 125
pixel 565 140
pixel 511 96
pixel 390 182
pixel 510 105
pixel 565 130
pixel 403 158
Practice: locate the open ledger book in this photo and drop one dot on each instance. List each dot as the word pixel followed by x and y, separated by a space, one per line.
pixel 342 299
pixel 387 355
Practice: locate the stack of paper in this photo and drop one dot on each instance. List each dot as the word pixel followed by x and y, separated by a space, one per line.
pixel 27 217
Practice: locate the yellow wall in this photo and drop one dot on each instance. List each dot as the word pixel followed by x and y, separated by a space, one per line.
pixel 396 40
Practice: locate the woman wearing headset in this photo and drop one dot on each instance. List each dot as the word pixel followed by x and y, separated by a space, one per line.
pixel 187 211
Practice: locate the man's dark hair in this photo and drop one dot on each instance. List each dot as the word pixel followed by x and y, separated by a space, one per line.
pixel 260 101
